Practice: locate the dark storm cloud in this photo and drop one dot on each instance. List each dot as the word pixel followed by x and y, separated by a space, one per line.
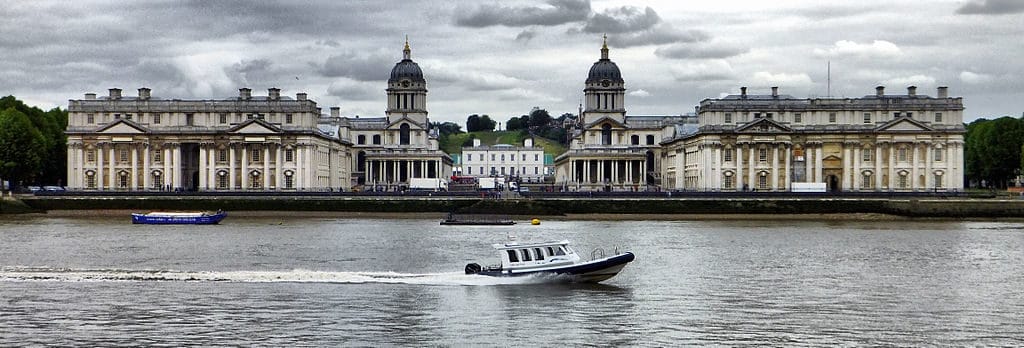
pixel 630 26
pixel 992 7
pixel 698 51
pixel 560 12
pixel 357 67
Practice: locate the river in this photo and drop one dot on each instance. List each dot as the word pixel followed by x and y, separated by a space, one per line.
pixel 365 281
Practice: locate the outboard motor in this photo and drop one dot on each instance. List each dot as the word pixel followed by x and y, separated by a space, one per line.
pixel 473 268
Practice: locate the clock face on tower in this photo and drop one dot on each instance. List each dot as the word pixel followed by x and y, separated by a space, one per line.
pixel 605 83
pixel 405 83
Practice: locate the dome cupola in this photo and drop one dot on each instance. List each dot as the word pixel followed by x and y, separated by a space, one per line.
pixel 604 69
pixel 406 69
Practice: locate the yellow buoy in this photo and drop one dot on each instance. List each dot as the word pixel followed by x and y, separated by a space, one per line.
pixel 535 222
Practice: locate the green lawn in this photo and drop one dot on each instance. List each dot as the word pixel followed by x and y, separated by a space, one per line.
pixel 453 144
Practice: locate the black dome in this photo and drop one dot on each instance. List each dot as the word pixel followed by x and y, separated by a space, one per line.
pixel 406 69
pixel 604 69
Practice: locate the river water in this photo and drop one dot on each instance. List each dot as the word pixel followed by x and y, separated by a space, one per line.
pixel 335 281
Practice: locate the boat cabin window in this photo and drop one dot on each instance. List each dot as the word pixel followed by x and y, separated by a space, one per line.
pixel 512 257
pixel 540 254
pixel 560 251
pixel 526 255
pixel 551 251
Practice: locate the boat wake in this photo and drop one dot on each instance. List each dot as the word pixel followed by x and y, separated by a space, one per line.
pixel 8 274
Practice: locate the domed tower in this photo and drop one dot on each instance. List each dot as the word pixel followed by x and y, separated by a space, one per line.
pixel 605 90
pixel 407 90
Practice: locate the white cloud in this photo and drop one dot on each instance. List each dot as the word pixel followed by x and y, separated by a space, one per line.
pixel 640 93
pixel 973 78
pixel 710 70
pixel 763 79
pixel 876 49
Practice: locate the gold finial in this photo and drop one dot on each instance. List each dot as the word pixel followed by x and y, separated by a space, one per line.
pixel 406 41
pixel 605 44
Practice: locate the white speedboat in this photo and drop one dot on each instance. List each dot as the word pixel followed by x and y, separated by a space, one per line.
pixel 552 258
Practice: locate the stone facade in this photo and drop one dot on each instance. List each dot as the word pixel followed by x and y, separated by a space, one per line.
pixel 525 162
pixel 118 143
pixel 876 143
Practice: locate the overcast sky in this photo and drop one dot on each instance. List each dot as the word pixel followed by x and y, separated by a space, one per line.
pixel 502 58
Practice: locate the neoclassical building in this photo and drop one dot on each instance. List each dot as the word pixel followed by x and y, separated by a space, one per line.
pixel 525 162
pixel 881 142
pixel 121 143
pixel 609 150
pixel 388 151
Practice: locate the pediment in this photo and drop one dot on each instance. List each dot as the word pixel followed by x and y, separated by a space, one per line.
pixel 904 124
pixel 123 127
pixel 398 123
pixel 255 127
pixel 597 124
pixel 764 125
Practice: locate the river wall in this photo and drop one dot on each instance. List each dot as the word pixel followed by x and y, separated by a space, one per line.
pixel 915 207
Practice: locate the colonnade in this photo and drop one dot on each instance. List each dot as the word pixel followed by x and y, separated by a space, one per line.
pixel 616 172
pixel 398 171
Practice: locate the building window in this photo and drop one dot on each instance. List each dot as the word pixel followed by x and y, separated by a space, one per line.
pixel 901 154
pixel 831 117
pixel 158 156
pixel 865 181
pixel 727 182
pixel 910 115
pixel 90 155
pixel 768 116
pixel 222 180
pixel 728 117
pixel 254 181
pixel 223 118
pixel 90 180
pixel 222 155
pixel 503 157
pixel 122 180
pixel 289 155
pixel 289 181
pixel 938 155
pixel 606 134
pixel 536 170
pixel 469 170
pixel 634 139
pixel 902 181
pixel 492 157
pixel 255 154
pixel 798 118
pixel 536 157
pixel 650 139
pixel 762 154
pixel 757 115
pixel 117 116
pixel 524 157
pixel 938 117
pixel 361 139
pixel 866 155
pixel 896 114
pixel 867 117
pixel 482 171
pixel 376 139
pixel 727 155
pixel 938 180
pixel 128 116
pixel 403 134
pixel 158 181
pixel 90 118
pixel 189 119
pixel 156 119
pixel 288 118
pixel 762 181
pixel 123 156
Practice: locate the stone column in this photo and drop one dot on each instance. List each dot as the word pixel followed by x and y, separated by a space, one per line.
pixel 232 175
pixel 177 167
pixel 134 182
pixel 71 165
pixel 266 166
pixel 847 167
pixel 643 173
pixel 245 166
pixel 892 166
pixel 878 166
pixel 147 183
pixel 112 183
pixel 914 183
pixel 278 167
pixel 586 172
pixel 818 163
pixel 716 173
pixel 773 184
pixel 100 150
pixel 203 165
pixel 929 177
pixel 750 166
pixel 857 177
pixel 80 175
pixel 788 167
pixel 950 160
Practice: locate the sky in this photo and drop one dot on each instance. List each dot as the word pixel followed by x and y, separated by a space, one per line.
pixel 502 58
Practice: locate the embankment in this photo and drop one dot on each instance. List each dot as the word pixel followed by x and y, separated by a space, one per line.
pixel 938 207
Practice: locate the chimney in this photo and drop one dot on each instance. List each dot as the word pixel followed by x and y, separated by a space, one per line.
pixel 880 91
pixel 90 96
pixel 144 93
pixel 244 93
pixel 743 92
pixel 912 91
pixel 775 92
pixel 274 93
pixel 943 92
pixel 115 93
pixel 300 96
pixel 528 142
pixel 335 111
pixel 476 142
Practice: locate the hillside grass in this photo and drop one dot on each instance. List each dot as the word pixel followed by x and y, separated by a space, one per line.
pixel 453 143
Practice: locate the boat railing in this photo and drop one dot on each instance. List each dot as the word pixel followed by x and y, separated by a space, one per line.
pixel 597 254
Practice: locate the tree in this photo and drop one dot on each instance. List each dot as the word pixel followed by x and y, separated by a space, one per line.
pixel 22 147
pixel 993 150
pixel 540 120
pixel 51 125
pixel 513 124
pixel 446 128
pixel 473 123
pixel 487 124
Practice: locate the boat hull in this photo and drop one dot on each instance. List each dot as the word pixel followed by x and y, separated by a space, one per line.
pixel 147 219
pixel 587 272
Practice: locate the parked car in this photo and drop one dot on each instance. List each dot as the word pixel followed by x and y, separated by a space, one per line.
pixel 53 188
